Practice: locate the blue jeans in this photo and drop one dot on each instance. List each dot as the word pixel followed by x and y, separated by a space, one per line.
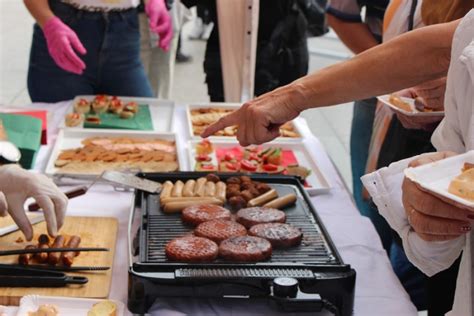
pixel 113 65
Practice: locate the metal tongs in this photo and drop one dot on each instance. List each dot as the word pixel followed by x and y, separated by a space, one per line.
pixel 122 178
pixel 16 276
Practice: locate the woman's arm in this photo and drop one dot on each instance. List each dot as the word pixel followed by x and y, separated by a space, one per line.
pixel 356 36
pixel 40 10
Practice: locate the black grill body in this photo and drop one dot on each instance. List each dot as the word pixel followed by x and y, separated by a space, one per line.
pixel 316 264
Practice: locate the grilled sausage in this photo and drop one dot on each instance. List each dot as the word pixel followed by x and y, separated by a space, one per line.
pixel 53 257
pixel 220 190
pixel 178 206
pixel 199 189
pixel 177 189
pixel 68 257
pixel 264 198
pixel 282 202
pixel 43 242
pixel 166 190
pixel 25 258
pixel 188 189
pixel 210 189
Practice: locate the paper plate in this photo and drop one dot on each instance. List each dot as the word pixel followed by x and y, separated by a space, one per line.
pixel 385 100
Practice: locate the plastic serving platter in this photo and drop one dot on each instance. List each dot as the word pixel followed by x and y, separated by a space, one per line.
pixel 436 177
pixel 72 138
pixel 161 111
pixel 317 181
pixel 66 306
pixel 385 100
pixel 233 106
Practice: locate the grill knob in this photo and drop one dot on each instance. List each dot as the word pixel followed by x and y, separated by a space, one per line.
pixel 285 287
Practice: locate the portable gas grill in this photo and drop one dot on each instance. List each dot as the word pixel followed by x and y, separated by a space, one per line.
pixel 309 277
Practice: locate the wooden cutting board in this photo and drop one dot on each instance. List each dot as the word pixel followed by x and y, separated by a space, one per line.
pixel 94 232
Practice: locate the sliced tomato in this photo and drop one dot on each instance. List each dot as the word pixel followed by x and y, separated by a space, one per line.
pixel 248 165
pixel 229 157
pixel 203 157
pixel 231 166
pixel 270 167
pixel 208 167
pixel 254 157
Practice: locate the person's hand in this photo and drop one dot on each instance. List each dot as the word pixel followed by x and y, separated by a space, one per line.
pixel 258 121
pixel 62 45
pixel 17 185
pixel 160 22
pixel 429 95
pixel 432 218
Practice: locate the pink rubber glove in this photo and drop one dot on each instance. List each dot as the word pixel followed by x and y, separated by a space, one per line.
pixel 160 22
pixel 62 41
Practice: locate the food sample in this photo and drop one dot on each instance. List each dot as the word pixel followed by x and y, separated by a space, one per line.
pixel 104 308
pixel 127 115
pixel 201 118
pixel 93 119
pixel 100 104
pixel 278 234
pixel 43 242
pixel 243 191
pixel 53 257
pixel 463 184
pixel 271 160
pixel 219 230
pixel 74 119
pixel 24 259
pixel 245 249
pixel 191 249
pixel 131 107
pixel 197 214
pixel 45 310
pixel 399 103
pixel 118 153
pixel 82 106
pixel 67 258
pixel 282 201
pixel 116 105
pixel 259 215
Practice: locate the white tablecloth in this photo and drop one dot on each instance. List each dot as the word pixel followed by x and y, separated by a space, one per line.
pixel 378 291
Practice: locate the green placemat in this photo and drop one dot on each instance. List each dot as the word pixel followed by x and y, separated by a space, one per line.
pixel 25 132
pixel 141 121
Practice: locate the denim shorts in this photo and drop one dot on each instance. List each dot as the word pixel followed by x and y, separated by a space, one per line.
pixel 113 64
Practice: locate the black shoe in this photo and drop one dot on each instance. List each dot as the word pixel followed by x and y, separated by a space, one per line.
pixel 182 58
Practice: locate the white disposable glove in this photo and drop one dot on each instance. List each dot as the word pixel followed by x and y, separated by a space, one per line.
pixel 17 185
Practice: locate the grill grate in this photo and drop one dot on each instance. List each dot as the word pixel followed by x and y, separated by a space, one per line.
pixel 313 249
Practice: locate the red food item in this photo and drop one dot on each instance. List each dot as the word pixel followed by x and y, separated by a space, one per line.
pixel 278 234
pixel 100 97
pixel 197 214
pixel 204 147
pixel 248 166
pixel 229 157
pixel 191 249
pixel 245 248
pixel 83 102
pixel 270 167
pixel 219 230
pixel 259 215
pixel 203 157
pixel 231 166
pixel 254 157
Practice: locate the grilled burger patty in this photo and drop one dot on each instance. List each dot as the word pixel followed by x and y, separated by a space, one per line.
pixel 278 234
pixel 197 214
pixel 219 230
pixel 259 215
pixel 245 248
pixel 191 249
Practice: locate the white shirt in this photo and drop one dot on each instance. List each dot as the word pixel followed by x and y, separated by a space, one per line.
pixel 455 133
pixel 103 5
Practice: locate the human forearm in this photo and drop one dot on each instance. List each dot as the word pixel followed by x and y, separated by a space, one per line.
pixel 405 61
pixel 356 36
pixel 40 10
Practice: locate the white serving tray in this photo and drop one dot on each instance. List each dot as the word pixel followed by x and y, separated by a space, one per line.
pixel 66 306
pixel 161 111
pixel 234 106
pixel 436 177
pixel 72 138
pixel 316 179
pixel 385 100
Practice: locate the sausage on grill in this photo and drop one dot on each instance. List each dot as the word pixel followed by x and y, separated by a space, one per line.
pixel 219 230
pixel 278 234
pixel 191 249
pixel 245 249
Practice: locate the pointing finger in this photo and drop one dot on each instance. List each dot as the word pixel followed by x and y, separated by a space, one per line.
pixel 228 120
